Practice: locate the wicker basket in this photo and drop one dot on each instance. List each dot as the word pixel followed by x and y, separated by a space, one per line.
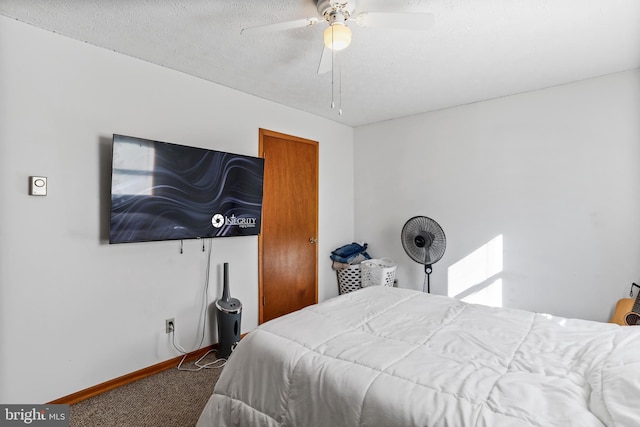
pixel 378 272
pixel 349 279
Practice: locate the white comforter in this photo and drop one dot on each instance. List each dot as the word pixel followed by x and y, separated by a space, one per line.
pixel 394 357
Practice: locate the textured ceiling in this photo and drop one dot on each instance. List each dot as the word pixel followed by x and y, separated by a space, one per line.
pixel 476 50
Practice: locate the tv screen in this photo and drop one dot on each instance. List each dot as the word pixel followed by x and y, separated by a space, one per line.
pixel 163 191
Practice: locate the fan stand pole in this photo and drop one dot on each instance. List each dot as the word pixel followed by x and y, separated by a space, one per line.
pixel 427 271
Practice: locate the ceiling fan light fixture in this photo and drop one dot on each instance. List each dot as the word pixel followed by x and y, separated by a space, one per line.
pixel 337 36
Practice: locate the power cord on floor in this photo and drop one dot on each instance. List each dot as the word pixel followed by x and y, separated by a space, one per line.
pixel 218 363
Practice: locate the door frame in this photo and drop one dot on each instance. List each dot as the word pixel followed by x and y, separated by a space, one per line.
pixel 269 133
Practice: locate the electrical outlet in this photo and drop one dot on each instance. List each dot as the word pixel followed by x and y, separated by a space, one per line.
pixel 170 325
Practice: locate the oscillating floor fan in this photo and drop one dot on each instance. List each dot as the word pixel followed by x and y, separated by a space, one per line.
pixel 424 241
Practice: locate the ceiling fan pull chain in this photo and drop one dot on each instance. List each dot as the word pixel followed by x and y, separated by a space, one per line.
pixel 333 67
pixel 336 65
pixel 339 90
pixel 333 104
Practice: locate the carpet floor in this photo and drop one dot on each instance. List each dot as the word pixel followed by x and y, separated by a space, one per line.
pixel 171 398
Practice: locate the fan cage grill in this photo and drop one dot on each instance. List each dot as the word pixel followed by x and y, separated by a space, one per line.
pixel 435 241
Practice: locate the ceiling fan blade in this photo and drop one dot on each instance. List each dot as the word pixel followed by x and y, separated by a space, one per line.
pixel 401 21
pixel 281 26
pixel 325 60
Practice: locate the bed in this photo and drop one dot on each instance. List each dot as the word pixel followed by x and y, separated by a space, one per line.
pixel 385 356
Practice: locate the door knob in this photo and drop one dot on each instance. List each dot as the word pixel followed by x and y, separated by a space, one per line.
pixel 313 240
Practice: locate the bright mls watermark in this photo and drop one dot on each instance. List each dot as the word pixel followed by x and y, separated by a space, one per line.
pixel 34 415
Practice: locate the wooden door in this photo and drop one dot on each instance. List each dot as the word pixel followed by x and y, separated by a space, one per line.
pixel 287 249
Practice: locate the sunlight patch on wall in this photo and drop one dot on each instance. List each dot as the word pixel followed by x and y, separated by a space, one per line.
pixel 475 278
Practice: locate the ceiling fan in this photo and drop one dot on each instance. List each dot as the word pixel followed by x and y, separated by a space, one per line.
pixel 337 36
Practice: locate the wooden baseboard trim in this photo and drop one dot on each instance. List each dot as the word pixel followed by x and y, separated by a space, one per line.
pixel 129 378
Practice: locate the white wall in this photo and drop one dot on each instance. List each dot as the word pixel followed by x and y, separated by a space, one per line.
pixel 554 172
pixel 74 310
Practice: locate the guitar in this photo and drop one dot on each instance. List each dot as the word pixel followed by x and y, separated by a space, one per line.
pixel 627 311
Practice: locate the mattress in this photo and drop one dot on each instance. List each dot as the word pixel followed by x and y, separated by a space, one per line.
pixel 385 356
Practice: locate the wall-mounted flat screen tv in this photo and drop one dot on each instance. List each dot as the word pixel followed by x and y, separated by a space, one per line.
pixel 164 191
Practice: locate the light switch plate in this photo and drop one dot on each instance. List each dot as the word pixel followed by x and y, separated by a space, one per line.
pixel 38 185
